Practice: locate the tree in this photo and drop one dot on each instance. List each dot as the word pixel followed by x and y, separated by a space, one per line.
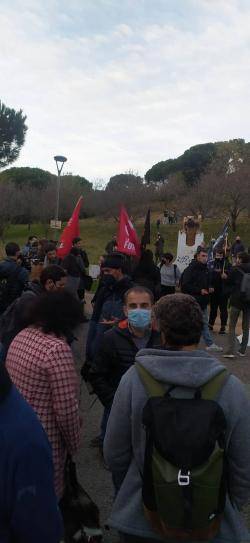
pixel 124 181
pixel 192 164
pixel 12 134
pixel 8 207
pixel 27 177
pixel 231 191
pixel 78 181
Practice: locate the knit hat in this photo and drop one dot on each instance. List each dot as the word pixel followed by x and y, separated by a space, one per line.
pixel 114 261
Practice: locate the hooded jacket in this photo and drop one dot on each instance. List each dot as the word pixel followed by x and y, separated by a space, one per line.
pixel 124 444
pixel 116 355
pixel 195 278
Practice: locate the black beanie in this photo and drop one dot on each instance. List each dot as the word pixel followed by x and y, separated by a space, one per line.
pixel 113 261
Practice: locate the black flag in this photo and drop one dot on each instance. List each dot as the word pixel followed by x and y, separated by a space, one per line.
pixel 145 240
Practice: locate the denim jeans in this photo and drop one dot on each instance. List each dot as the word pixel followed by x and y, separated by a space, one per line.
pixel 205 330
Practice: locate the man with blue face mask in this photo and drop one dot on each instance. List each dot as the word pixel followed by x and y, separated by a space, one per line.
pixel 120 345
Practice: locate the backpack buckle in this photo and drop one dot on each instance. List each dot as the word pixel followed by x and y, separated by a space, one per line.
pixel 183 478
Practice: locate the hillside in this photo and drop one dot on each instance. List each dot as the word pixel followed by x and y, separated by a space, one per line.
pixel 96 232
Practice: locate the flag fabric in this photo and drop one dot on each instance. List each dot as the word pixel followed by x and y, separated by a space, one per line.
pixel 145 240
pixel 71 231
pixel 217 243
pixel 222 236
pixel 128 242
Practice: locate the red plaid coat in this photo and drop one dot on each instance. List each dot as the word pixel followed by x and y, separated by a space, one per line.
pixel 42 368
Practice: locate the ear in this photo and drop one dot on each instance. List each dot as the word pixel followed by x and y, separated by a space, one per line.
pixel 49 285
pixel 125 310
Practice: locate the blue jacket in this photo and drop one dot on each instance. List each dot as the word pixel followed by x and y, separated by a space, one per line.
pixel 28 505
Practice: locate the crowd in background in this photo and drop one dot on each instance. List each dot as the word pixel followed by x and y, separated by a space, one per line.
pixel 137 316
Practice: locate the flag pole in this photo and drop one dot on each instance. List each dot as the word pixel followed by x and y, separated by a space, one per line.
pixel 225 251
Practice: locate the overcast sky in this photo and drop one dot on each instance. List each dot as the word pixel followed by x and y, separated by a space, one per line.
pixel 117 86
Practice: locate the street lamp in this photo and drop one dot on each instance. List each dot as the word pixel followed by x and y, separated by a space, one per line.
pixel 59 164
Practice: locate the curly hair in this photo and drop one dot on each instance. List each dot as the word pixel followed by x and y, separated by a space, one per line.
pixel 179 318
pixel 55 313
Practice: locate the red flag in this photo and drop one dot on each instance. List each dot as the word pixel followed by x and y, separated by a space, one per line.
pixel 71 231
pixel 128 242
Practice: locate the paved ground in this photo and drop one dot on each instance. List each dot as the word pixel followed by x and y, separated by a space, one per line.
pixel 95 479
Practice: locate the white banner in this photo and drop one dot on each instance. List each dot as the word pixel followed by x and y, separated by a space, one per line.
pixel 185 253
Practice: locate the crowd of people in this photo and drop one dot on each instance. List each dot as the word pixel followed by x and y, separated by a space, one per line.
pixel 174 420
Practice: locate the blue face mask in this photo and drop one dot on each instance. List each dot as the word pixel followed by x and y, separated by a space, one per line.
pixel 139 318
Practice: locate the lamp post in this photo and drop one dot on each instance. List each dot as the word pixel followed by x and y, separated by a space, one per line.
pixel 60 160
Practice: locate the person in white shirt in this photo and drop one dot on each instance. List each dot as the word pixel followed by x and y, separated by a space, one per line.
pixel 170 274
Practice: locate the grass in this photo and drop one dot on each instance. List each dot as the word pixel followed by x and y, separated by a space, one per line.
pixel 96 232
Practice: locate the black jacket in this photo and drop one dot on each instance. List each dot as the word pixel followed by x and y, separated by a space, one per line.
pixel 109 300
pixel 234 283
pixel 115 356
pixel 149 277
pixel 237 248
pixel 220 285
pixel 15 277
pixel 13 320
pixel 195 278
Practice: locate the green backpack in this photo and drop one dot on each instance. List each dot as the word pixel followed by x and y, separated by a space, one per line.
pixel 184 476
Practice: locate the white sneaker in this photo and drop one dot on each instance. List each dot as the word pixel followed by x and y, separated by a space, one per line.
pixel 229 355
pixel 241 354
pixel 214 348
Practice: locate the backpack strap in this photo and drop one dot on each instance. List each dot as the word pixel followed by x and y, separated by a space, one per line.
pixel 152 386
pixel 210 390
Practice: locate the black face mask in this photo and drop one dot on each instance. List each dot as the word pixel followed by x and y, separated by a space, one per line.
pixel 109 280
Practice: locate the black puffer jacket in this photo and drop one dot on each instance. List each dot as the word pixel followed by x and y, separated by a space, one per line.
pixel 234 283
pixel 114 358
pixel 195 278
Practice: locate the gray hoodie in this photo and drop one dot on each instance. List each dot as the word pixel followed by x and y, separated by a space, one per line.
pixel 125 438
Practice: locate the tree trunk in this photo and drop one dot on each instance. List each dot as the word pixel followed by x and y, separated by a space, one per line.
pixel 233 221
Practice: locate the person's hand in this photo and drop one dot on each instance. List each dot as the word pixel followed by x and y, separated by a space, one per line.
pixel 223 275
pixel 211 290
pixel 204 292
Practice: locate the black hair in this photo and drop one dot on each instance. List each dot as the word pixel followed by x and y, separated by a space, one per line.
pixel 56 313
pixel 168 256
pixel 76 240
pixel 180 319
pixel 55 273
pixel 12 248
pixel 244 257
pixel 201 250
pixel 140 290
pixel 50 247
